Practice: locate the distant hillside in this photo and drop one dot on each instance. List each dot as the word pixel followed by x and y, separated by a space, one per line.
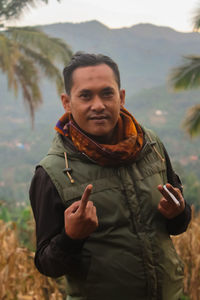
pixel 145 53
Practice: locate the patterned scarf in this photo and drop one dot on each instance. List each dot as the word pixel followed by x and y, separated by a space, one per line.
pixel 128 134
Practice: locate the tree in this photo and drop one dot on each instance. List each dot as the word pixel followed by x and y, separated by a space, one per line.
pixel 27 52
pixel 187 76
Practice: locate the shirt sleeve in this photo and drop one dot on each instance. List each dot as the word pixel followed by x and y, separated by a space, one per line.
pixel 180 223
pixel 56 253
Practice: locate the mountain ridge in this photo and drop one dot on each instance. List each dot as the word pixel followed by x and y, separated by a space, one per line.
pixel 145 55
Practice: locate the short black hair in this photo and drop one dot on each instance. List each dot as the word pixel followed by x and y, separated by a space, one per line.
pixel 82 59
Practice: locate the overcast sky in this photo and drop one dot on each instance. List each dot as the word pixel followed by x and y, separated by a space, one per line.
pixel 172 13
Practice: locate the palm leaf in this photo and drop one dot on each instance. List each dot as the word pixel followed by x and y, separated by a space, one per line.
pixel 53 48
pixel 46 66
pixel 187 75
pixel 27 76
pixel 192 121
pixel 27 53
pixel 13 9
pixel 9 55
pixel 196 20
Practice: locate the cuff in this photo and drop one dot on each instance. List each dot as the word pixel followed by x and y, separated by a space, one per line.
pixel 65 243
pixel 180 223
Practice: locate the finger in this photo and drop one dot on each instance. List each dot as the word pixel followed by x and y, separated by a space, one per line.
pixel 180 198
pixel 91 210
pixel 173 198
pixel 73 207
pixel 163 211
pixel 85 198
pixel 94 212
pixel 175 191
pixel 164 203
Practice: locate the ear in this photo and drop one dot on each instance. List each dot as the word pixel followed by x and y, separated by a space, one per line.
pixel 66 102
pixel 122 97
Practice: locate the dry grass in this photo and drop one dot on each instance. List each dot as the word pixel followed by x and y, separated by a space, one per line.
pixel 188 247
pixel 19 278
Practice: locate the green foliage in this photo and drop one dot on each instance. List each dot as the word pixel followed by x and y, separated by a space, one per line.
pixel 196 19
pixel 27 53
pixel 12 9
pixel 22 216
pixel 4 212
pixel 24 64
pixel 192 190
pixel 187 76
pixel 183 297
pixel 192 120
pixel 25 225
pixel 191 185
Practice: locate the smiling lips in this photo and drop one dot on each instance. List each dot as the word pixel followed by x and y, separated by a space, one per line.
pixel 98 117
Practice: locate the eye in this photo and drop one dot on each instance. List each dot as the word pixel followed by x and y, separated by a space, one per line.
pixel 107 93
pixel 85 96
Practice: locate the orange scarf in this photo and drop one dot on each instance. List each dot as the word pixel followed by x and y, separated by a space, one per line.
pixel 129 136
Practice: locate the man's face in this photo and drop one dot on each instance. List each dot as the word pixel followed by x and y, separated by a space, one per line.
pixel 95 100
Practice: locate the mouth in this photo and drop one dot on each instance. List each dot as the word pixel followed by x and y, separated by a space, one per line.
pixel 99 117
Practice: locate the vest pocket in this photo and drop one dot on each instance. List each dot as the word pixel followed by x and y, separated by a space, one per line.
pixel 74 192
pixel 146 169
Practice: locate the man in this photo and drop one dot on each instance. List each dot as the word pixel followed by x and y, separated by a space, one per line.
pixel 103 218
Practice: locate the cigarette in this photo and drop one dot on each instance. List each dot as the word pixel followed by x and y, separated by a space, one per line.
pixel 172 196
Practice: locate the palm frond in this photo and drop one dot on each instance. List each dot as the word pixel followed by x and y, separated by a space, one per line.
pixel 192 121
pixel 13 9
pixel 27 52
pixel 188 75
pixel 53 48
pixel 46 66
pixel 196 20
pixel 21 72
pixel 27 76
pixel 9 55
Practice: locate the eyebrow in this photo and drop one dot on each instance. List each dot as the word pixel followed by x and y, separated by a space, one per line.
pixel 109 88
pixel 85 91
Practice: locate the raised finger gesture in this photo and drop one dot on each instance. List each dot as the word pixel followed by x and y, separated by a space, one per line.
pixel 81 218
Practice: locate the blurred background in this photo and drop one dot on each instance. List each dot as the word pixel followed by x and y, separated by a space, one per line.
pixel 157 47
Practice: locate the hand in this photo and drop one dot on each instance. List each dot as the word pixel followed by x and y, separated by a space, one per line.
pixel 166 206
pixel 81 218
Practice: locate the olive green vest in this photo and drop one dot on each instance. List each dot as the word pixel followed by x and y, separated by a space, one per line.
pixel 130 256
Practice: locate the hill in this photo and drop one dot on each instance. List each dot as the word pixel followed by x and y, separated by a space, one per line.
pixel 145 54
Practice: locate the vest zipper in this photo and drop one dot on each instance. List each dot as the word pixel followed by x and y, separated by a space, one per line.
pixel 152 294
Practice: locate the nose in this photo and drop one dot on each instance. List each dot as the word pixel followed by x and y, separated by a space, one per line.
pixel 97 104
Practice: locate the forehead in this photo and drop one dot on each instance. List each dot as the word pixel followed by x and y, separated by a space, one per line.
pixel 84 77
